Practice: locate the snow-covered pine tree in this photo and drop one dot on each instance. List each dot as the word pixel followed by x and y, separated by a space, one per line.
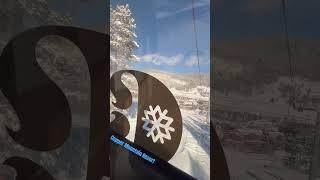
pixel 122 37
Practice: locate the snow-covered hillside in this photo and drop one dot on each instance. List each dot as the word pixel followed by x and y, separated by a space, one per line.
pixel 186 88
pixel 193 154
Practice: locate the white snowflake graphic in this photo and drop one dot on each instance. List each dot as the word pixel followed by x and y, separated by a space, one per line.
pixel 157 124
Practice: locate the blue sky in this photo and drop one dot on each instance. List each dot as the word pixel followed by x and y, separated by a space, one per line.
pixel 164 27
pixel 166 36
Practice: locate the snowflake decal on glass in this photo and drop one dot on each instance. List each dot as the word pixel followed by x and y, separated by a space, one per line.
pixel 157 124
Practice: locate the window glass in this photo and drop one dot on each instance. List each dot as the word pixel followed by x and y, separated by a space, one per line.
pixel 169 40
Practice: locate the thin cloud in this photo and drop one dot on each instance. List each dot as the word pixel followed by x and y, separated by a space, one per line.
pixel 160 60
pixel 193 61
pixel 166 14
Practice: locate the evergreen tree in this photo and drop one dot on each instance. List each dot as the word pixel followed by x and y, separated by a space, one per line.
pixel 122 37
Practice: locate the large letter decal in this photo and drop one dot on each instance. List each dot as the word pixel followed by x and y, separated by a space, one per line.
pixel 41 106
pixel 159 122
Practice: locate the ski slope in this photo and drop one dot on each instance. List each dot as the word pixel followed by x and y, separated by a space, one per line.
pixel 193 154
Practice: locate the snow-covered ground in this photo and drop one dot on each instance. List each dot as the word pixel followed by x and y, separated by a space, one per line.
pixel 193 154
pixel 246 166
pixel 246 119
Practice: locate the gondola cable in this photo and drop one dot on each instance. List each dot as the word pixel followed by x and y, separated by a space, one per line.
pixel 284 11
pixel 196 40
